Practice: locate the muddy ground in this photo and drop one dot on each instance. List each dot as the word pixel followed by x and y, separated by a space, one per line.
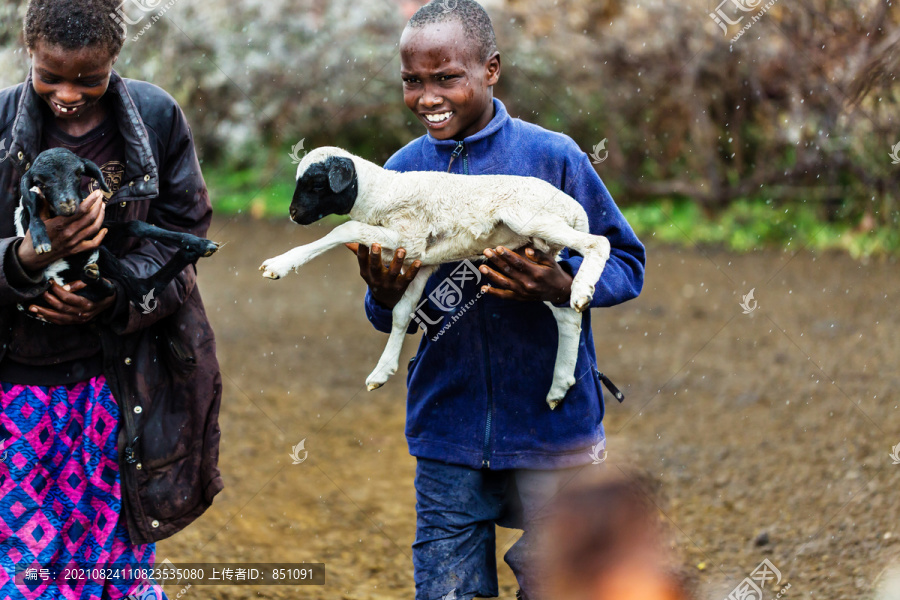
pixel 778 422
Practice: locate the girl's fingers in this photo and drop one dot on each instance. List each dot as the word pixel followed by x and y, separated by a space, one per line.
pixel 354 248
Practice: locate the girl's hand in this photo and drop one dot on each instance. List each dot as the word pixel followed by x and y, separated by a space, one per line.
pixel 536 276
pixel 386 283
pixel 68 235
pixel 66 307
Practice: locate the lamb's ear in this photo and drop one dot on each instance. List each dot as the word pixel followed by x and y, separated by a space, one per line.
pixel 29 197
pixel 340 174
pixel 94 172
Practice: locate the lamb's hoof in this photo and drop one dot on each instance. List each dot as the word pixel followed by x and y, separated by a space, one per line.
pixel 42 248
pixel 92 271
pixel 269 274
pixel 581 296
pixel 558 391
pixel 373 386
pixel 211 248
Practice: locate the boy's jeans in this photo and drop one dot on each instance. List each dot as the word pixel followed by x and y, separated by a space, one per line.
pixel 457 508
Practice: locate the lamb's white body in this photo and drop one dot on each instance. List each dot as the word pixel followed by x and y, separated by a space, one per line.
pixel 440 218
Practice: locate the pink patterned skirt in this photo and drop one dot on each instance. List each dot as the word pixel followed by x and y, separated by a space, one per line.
pixel 60 496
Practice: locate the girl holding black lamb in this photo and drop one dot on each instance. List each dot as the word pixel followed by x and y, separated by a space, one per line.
pixel 86 386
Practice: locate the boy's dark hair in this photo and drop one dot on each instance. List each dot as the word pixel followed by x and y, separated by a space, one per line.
pixel 73 24
pixel 468 13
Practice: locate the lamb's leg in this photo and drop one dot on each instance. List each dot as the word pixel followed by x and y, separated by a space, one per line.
pixel 568 323
pixel 352 231
pixel 402 315
pixel 554 230
pixel 194 247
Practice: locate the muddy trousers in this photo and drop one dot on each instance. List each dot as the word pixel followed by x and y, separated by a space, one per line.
pixel 454 554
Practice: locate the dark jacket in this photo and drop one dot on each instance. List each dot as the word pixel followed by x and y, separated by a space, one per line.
pixel 161 367
pixel 478 384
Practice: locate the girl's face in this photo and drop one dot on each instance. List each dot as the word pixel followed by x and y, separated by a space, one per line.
pixel 71 82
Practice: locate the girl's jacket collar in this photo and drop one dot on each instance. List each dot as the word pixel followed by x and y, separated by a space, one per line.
pixel 141 180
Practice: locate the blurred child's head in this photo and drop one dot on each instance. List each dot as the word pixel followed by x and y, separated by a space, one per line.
pixel 605 540
pixel 73 45
pixel 449 63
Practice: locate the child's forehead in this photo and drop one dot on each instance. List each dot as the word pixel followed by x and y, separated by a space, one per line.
pixel 436 43
pixel 88 58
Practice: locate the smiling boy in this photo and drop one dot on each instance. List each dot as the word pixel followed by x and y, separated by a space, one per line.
pixel 489 450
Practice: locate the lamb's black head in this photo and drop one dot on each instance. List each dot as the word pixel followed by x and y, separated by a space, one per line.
pixel 327 187
pixel 57 174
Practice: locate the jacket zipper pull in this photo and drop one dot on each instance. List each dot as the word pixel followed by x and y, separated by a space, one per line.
pixel 456 152
pixel 611 387
pixel 130 458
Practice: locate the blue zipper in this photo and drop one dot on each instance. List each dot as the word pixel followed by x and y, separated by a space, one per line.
pixel 486 456
pixel 456 152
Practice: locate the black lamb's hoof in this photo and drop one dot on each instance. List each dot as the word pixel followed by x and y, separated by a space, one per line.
pixel 211 249
pixel 92 271
pixel 199 248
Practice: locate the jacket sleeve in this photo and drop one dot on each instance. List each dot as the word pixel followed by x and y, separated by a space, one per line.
pixel 16 285
pixel 182 205
pixel 623 275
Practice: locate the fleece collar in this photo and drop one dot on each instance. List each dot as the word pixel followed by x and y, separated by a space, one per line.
pixel 141 178
pixel 497 122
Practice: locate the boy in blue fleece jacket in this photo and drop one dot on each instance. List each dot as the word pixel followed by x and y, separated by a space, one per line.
pixel 489 449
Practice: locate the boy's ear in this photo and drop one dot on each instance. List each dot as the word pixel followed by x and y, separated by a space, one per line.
pixel 492 67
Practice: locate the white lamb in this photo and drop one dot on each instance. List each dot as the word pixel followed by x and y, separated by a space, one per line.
pixel 440 218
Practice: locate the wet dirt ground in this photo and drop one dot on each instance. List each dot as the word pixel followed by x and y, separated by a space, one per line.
pixel 775 424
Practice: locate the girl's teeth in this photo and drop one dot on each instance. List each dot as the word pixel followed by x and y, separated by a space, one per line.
pixel 438 118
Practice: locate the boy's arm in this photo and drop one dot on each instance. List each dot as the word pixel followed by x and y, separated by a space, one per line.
pixel 623 276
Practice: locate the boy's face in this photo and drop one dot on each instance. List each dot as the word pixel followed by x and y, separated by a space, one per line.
pixel 71 82
pixel 445 82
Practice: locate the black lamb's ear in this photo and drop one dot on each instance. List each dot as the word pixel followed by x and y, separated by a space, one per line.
pixel 25 185
pixel 340 174
pixel 94 172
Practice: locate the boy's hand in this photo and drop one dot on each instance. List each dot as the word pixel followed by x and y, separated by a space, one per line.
pixel 387 284
pixel 536 276
pixel 68 235
pixel 67 307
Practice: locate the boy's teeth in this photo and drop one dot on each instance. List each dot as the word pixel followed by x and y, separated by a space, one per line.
pixel 438 118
